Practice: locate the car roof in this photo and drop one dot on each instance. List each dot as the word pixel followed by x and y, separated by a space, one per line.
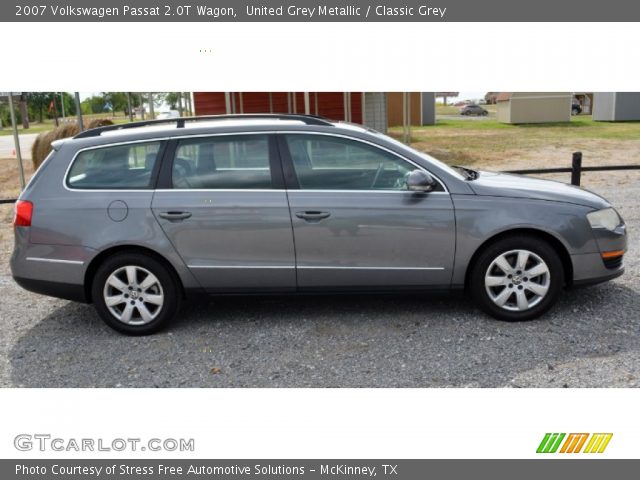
pixel 203 125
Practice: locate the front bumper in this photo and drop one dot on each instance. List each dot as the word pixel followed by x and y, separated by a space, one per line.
pixel 592 268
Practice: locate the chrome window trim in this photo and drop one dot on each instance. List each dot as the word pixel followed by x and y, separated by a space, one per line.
pixel 404 192
pixel 275 132
pixel 55 260
pixel 239 190
pixel 107 145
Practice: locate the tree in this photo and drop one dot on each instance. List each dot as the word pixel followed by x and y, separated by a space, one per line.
pixel 94 104
pixel 69 103
pixel 171 99
pixel 119 102
pixel 24 114
pixel 39 102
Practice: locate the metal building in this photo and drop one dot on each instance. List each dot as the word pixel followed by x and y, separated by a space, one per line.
pixel 534 107
pixel 616 106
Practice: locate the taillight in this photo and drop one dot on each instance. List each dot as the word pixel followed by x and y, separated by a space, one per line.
pixel 24 212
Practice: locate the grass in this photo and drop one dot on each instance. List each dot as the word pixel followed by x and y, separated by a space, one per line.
pixel 487 142
pixel 452 110
pixel 447 109
pixel 49 124
pixel 33 128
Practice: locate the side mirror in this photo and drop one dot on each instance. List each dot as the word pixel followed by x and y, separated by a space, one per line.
pixel 420 181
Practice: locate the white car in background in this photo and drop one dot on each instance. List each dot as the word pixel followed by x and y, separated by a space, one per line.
pixel 168 114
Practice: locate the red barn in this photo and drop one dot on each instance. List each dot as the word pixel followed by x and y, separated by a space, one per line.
pixel 332 105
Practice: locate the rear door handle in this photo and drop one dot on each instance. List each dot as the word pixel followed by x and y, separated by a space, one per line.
pixel 175 216
pixel 312 216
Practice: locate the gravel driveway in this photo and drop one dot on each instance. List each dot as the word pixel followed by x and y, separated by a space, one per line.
pixel 591 338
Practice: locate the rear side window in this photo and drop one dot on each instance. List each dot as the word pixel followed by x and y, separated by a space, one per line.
pixel 223 162
pixel 120 167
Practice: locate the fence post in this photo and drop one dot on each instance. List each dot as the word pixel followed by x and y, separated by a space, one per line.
pixel 576 168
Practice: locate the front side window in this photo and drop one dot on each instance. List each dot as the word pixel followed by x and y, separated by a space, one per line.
pixel 222 162
pixel 324 162
pixel 120 167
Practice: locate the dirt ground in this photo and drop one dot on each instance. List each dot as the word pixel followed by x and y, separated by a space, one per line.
pixel 492 145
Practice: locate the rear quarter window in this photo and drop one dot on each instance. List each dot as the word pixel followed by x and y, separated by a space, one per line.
pixel 120 167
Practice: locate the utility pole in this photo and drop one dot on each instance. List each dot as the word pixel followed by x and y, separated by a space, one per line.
pixel 152 113
pixel 79 112
pixel 141 107
pixel 55 110
pixel 24 113
pixel 406 117
pixel 180 109
pixel 62 105
pixel 189 103
pixel 16 140
pixel 130 106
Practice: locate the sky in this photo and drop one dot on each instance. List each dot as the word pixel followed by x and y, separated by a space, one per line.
pixel 471 95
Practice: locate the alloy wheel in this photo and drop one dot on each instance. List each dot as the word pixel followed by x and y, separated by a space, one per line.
pixel 517 280
pixel 133 295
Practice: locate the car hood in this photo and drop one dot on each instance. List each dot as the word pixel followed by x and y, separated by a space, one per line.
pixel 519 186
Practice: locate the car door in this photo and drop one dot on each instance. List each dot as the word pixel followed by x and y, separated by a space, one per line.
pixel 222 205
pixel 355 224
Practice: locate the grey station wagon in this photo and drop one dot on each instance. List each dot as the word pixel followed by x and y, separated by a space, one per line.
pixel 136 217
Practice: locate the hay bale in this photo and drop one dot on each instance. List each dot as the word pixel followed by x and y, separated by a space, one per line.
pixel 42 145
pixel 98 122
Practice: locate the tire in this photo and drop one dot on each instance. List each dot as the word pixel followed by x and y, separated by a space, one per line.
pixel 493 282
pixel 143 294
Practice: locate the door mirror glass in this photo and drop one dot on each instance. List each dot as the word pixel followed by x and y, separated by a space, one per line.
pixel 420 181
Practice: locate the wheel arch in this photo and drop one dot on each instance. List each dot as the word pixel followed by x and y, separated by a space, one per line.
pixel 102 256
pixel 552 240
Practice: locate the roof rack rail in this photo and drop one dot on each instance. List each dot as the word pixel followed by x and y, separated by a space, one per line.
pixel 180 121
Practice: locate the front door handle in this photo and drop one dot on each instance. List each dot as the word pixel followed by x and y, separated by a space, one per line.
pixel 175 216
pixel 312 216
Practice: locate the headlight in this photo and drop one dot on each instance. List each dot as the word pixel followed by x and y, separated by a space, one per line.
pixel 606 218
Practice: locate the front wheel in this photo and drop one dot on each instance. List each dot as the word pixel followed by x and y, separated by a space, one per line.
pixel 517 278
pixel 135 294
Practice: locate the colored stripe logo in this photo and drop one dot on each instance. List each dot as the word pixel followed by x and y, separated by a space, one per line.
pixel 574 443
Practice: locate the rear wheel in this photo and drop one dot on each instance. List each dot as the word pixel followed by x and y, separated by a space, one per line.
pixel 135 294
pixel 517 278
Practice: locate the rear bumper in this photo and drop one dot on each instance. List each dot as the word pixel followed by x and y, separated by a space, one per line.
pixel 54 270
pixel 66 291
